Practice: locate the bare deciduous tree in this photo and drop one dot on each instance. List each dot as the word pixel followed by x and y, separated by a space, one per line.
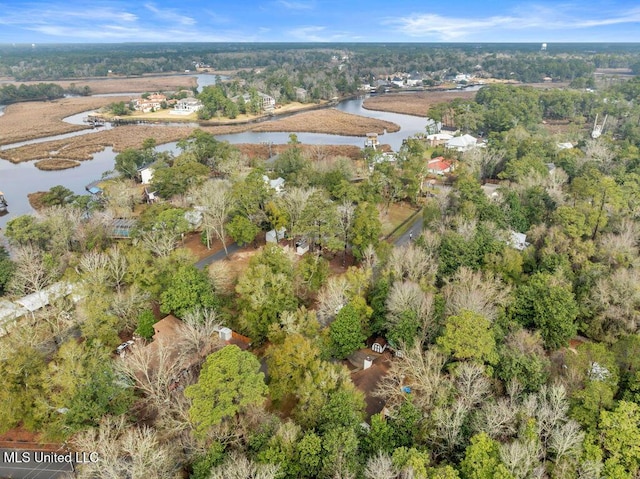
pixel 294 201
pixel 521 458
pixel 215 201
pixel 474 291
pixel 406 297
pixel 447 432
pixel 331 298
pixel 380 466
pixel 472 384
pixel 620 248
pixel 152 371
pixel 31 273
pixel 199 333
pixel 237 466
pixel 566 440
pixel 497 419
pixel 412 263
pixel 126 451
pixel 422 371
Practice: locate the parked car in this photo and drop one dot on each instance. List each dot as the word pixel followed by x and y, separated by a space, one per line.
pixel 121 349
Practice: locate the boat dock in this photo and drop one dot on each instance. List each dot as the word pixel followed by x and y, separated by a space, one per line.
pixel 94 121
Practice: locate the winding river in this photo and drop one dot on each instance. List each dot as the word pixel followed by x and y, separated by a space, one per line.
pixel 17 180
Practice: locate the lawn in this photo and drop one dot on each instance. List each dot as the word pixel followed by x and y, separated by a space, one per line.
pixel 398 213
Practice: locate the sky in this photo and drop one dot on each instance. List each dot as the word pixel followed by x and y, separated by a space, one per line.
pixel 115 21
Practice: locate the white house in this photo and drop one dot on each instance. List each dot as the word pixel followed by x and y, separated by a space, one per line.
pixel 146 174
pixel 438 139
pixel 518 241
pixel 277 184
pixel 266 102
pixel 462 143
pixel 186 106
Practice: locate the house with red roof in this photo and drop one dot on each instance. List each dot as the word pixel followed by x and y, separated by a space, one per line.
pixel 440 166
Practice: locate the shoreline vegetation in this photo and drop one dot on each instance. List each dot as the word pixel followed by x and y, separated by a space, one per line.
pixel 49 115
pixel 46 119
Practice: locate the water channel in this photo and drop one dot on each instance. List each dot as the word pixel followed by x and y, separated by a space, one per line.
pixel 17 180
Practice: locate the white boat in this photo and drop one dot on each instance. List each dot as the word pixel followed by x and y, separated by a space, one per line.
pixel 3 203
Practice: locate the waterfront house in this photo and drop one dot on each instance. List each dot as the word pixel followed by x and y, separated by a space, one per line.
pixel 186 106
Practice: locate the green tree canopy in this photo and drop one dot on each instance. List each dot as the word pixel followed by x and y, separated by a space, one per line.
pixel 548 304
pixel 230 382
pixel 468 336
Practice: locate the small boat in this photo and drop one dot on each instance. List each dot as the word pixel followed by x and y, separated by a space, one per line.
pixel 3 203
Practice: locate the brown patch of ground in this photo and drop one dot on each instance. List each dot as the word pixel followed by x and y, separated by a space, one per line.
pixel 329 121
pixel 35 199
pixel 414 103
pixel 141 84
pixel 28 120
pixel 56 164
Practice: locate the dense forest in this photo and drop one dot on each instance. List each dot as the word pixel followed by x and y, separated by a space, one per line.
pixel 524 62
pixel 505 359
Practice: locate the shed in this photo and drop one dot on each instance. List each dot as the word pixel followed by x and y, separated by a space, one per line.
pixel 518 241
pixel 145 173
pixel 274 236
pixel 302 247
pixel 379 345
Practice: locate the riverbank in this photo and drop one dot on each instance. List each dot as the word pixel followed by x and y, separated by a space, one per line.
pixel 81 148
pixel 36 119
pixel 114 84
pixel 414 103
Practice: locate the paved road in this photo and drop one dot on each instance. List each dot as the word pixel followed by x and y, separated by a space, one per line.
pixel 28 464
pixel 204 262
pixel 412 232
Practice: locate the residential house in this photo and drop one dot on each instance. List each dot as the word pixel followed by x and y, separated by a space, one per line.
pixel 371 141
pixel 438 139
pixel 186 106
pixel 151 103
pixel 277 184
pixel 439 166
pixel 462 143
pixel 414 79
pixel 398 81
pixel 267 102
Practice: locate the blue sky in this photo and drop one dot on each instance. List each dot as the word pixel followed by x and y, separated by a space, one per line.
pixel 100 21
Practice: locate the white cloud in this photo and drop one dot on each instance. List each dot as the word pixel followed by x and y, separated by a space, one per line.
pixel 169 15
pixel 560 17
pixel 296 5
